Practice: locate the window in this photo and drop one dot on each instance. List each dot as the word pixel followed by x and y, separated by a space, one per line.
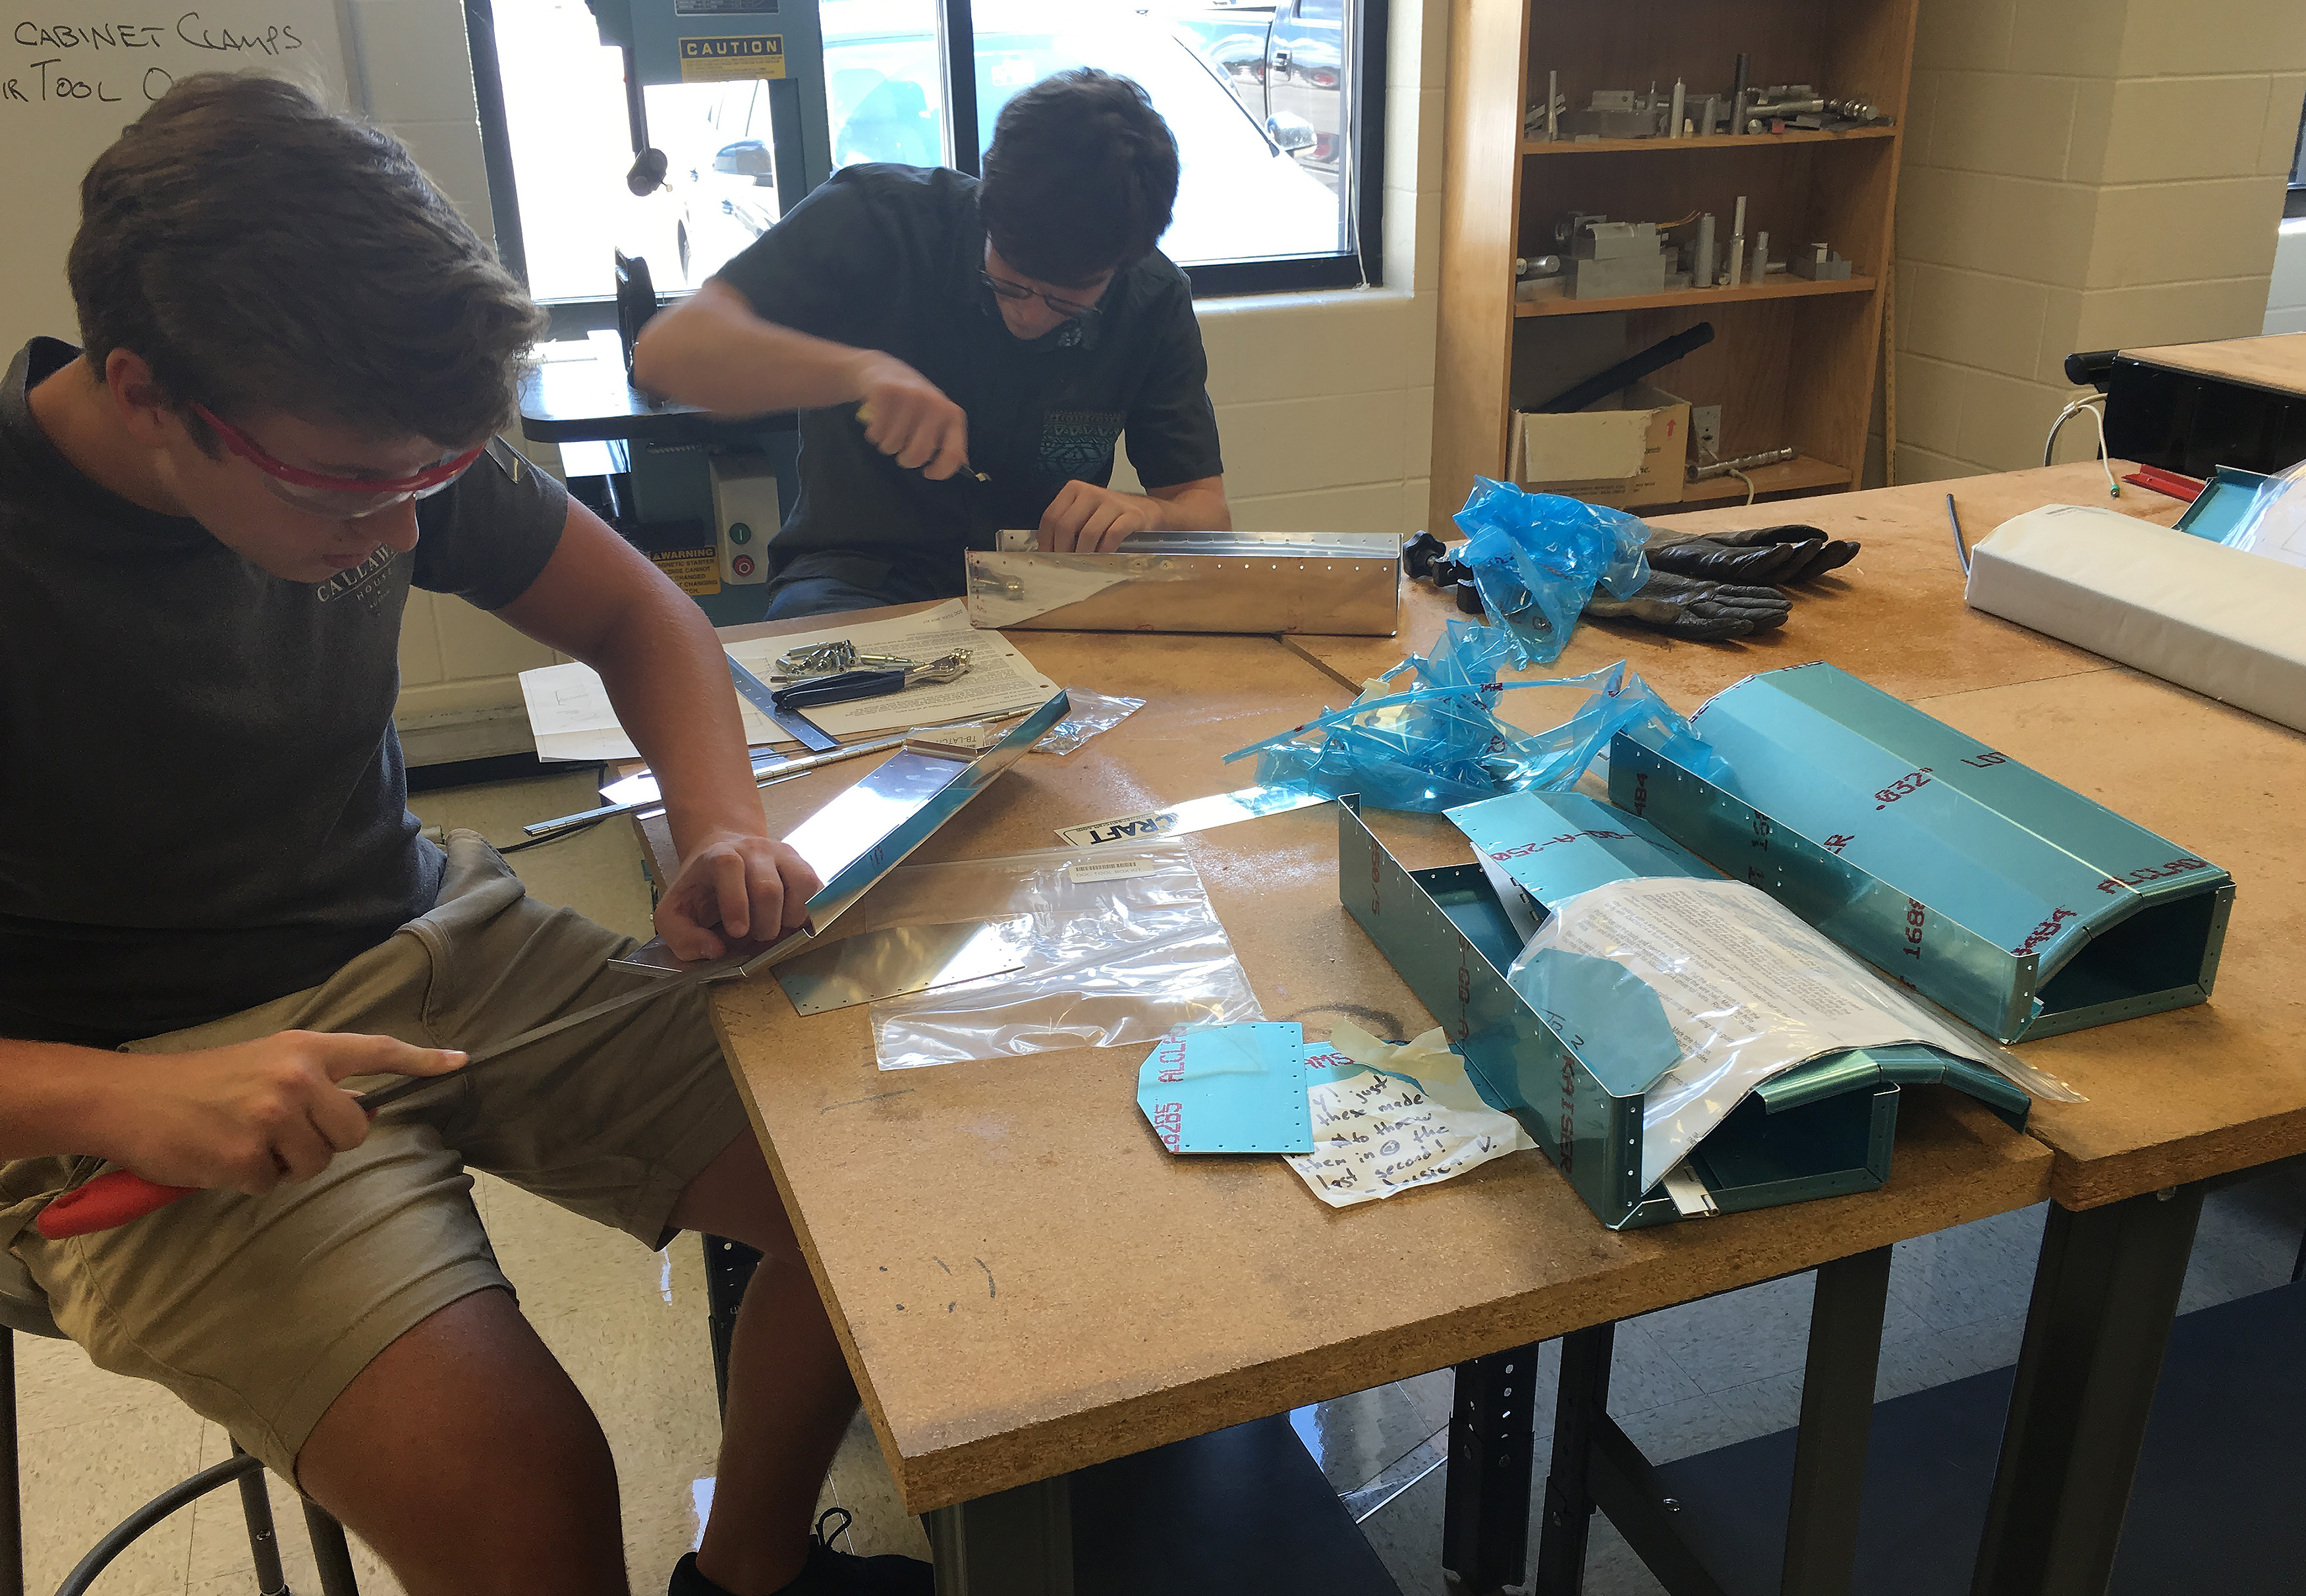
pixel 2295 202
pixel 1277 112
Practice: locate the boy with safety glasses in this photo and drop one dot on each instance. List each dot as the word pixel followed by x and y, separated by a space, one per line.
pixel 216 911
pixel 967 352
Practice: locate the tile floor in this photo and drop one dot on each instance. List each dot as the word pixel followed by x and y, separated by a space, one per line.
pixel 630 1326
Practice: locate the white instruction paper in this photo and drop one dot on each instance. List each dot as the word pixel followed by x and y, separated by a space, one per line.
pixel 1375 1135
pixel 1749 989
pixel 571 718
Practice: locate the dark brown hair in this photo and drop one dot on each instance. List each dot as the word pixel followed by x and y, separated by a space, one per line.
pixel 1082 177
pixel 260 252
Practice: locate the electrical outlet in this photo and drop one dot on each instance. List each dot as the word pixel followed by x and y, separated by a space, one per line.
pixel 1706 429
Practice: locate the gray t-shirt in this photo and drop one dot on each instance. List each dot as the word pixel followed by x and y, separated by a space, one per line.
pixel 202 805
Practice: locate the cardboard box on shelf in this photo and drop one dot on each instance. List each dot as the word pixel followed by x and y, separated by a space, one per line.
pixel 1629 450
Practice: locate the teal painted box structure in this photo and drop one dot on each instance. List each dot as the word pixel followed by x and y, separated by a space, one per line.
pixel 1820 1129
pixel 2001 895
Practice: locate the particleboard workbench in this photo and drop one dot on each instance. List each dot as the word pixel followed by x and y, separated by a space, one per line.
pixel 1027 1283
pixel 1106 1298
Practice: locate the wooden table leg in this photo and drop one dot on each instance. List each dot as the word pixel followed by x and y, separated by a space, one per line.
pixel 1485 1508
pixel 2104 1294
pixel 1017 1542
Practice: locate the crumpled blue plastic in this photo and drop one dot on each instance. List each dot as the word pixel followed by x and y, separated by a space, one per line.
pixel 1433 748
pixel 1536 559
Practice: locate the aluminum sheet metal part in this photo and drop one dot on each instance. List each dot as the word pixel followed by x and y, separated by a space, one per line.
pixel 2002 896
pixel 1334 584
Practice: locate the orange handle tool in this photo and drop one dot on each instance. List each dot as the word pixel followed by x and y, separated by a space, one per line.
pixel 113 1199
pixel 118 1195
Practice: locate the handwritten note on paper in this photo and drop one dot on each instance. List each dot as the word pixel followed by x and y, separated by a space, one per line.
pixel 1374 1135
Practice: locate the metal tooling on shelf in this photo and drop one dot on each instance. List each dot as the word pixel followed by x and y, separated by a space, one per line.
pixel 2013 902
pixel 1820 264
pixel 1820 1129
pixel 1611 260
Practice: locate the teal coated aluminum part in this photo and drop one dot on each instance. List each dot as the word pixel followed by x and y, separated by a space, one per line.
pixel 2005 897
pixel 1821 1130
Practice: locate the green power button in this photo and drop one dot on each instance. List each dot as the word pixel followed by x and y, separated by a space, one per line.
pixel 738 532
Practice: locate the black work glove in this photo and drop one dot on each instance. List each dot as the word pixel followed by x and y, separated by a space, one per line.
pixel 1687 607
pixel 1820 555
pixel 1716 561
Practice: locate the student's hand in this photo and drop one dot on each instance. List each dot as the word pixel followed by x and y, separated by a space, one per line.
pixel 906 415
pixel 1084 519
pixel 733 887
pixel 254 1113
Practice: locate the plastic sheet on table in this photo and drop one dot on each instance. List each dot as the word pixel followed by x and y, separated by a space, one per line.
pixel 1090 713
pixel 1536 559
pixel 1432 748
pixel 2274 523
pixel 1114 956
pixel 1692 992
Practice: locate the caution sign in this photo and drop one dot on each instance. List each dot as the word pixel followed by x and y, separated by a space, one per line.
pixel 729 60
pixel 696 572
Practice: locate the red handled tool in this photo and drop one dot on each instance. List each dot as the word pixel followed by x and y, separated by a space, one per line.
pixel 117 1196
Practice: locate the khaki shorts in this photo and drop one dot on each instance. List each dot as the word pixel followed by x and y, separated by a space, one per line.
pixel 258 1311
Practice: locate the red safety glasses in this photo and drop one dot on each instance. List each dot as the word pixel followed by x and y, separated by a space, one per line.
pixel 340 497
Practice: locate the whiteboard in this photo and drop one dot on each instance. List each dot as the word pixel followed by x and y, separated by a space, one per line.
pixel 73 75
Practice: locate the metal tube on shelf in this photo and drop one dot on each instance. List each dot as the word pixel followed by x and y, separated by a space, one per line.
pixel 1701 261
pixel 1738 91
pixel 1680 102
pixel 1768 457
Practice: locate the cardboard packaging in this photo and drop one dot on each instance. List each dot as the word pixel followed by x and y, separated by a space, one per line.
pixel 1630 452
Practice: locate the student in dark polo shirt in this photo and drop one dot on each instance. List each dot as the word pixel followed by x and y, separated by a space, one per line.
pixel 936 329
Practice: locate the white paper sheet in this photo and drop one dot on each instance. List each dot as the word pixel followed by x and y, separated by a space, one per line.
pixel 571 718
pixel 1375 1135
pixel 1749 990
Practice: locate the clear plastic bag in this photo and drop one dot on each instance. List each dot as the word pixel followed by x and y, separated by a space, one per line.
pixel 1092 713
pixel 1693 992
pixel 1434 747
pixel 2275 523
pixel 1123 946
pixel 1536 559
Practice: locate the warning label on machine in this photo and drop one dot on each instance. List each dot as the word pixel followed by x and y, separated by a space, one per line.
pixel 696 572
pixel 727 60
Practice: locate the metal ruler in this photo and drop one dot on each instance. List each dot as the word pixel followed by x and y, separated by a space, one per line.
pixel 757 693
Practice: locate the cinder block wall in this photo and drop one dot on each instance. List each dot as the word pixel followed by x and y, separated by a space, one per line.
pixel 2080 174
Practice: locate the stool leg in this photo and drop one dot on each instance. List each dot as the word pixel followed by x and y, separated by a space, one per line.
pixel 263 1541
pixel 330 1551
pixel 11 1502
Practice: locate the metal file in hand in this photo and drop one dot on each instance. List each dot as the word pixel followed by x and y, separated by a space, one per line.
pixel 850 843
pixel 763 697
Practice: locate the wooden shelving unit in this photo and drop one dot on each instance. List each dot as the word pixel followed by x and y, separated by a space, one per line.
pixel 1792 135
pixel 1778 287
pixel 1792 361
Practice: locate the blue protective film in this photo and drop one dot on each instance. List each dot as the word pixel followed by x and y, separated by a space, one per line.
pixel 1536 559
pixel 1434 747
pixel 1228 1089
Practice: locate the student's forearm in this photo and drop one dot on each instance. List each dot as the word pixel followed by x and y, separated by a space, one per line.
pixel 667 678
pixel 713 351
pixel 54 1098
pixel 1193 506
